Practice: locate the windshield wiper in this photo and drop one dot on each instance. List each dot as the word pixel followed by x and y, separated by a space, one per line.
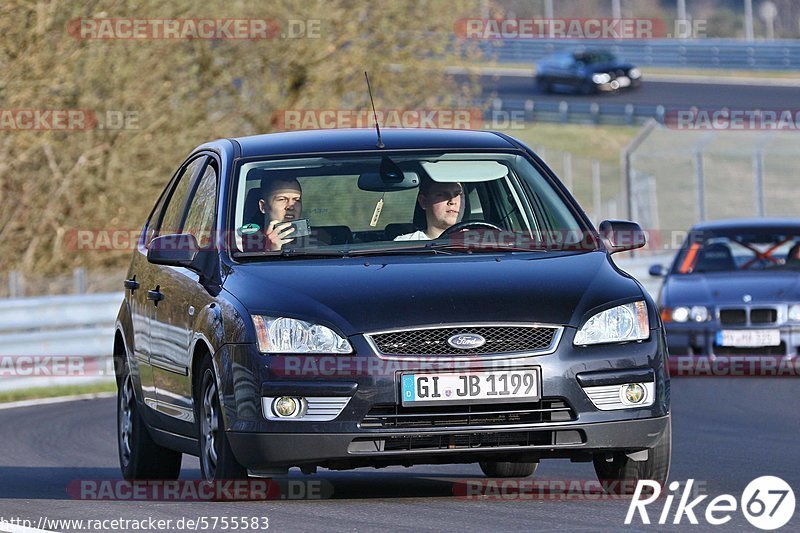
pixel 494 247
pixel 427 248
pixel 294 252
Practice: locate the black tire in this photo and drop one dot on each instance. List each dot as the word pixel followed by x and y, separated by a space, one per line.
pixel 628 472
pixel 139 456
pixel 217 461
pixel 506 469
pixel 543 86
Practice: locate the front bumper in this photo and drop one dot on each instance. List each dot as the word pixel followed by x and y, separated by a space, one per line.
pixel 264 451
pixel 348 441
pixel 701 339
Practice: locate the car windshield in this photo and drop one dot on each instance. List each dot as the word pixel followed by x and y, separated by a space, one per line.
pixel 400 203
pixel 595 57
pixel 740 251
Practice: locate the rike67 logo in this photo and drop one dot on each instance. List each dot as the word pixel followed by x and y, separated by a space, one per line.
pixel 767 503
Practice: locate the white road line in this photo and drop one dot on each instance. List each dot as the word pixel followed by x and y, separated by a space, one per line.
pixel 59 399
pixel 13 528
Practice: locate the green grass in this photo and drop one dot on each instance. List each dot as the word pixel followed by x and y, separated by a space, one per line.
pixel 57 391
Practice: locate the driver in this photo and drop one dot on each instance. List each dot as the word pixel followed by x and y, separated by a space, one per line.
pixel 442 205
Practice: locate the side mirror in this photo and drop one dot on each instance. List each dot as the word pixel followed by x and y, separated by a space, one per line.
pixel 174 250
pixel 658 271
pixel 622 235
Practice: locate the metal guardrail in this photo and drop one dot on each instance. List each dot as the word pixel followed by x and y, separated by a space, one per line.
pixel 577 112
pixel 79 326
pixel 686 53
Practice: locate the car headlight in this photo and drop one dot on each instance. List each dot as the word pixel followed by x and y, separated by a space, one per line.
pixel 634 73
pixel 680 314
pixel 794 312
pixel 601 78
pixel 289 335
pixel 619 324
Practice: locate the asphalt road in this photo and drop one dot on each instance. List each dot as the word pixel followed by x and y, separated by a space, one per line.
pixel 670 94
pixel 727 431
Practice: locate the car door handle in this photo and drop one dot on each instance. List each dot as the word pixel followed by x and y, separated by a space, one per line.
pixel 131 284
pixel 155 295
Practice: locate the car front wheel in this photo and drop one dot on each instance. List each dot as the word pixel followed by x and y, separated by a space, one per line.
pixel 627 473
pixel 216 457
pixel 506 469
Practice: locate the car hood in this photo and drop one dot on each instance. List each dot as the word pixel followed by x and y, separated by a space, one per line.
pixel 359 295
pixel 730 288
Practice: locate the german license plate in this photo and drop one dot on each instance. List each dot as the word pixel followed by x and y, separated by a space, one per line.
pixel 749 338
pixel 466 387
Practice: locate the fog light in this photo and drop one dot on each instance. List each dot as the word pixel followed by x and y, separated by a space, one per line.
pixel 633 393
pixel 286 407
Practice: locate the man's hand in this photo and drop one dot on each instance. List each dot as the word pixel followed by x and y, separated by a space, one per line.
pixel 278 234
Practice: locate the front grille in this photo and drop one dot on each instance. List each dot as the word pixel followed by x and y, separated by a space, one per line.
pixel 761 350
pixel 499 340
pixel 732 316
pixel 763 316
pixel 468 441
pixel 398 416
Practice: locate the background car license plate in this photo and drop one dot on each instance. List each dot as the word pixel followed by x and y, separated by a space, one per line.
pixel 454 387
pixel 749 338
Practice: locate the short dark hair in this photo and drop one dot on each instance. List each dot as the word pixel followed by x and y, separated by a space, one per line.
pixel 426 182
pixel 270 180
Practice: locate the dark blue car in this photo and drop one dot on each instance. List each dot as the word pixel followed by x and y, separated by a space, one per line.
pixel 734 289
pixel 322 299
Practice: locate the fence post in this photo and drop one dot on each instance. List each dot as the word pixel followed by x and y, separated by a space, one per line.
pixel 14 284
pixel 758 174
pixel 79 278
pixel 596 191
pixel 700 183
pixel 568 170
pixel 563 110
pixel 625 159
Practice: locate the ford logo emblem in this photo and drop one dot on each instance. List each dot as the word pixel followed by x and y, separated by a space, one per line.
pixel 466 341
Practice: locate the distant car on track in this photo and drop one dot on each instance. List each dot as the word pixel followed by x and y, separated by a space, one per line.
pixel 734 288
pixel 586 72
pixel 509 338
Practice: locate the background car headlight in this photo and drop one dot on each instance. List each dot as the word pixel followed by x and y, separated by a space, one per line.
pixel 634 73
pixel 619 324
pixel 601 78
pixel 289 335
pixel 794 312
pixel 697 313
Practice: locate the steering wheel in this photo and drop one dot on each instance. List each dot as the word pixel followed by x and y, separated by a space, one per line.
pixel 469 224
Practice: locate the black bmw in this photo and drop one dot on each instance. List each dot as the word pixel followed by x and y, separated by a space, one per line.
pixel 586 72
pixel 291 303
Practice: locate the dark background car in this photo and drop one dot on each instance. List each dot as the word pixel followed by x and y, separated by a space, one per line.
pixel 586 72
pixel 337 352
pixel 734 288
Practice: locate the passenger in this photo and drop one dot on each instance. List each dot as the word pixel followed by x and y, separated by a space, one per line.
pixel 441 203
pixel 281 203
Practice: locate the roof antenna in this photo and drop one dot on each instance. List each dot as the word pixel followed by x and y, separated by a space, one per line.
pixel 374 113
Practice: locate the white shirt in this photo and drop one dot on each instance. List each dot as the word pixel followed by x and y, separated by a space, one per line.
pixel 418 235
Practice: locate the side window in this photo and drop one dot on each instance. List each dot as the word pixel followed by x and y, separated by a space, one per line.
pixel 200 219
pixel 171 219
